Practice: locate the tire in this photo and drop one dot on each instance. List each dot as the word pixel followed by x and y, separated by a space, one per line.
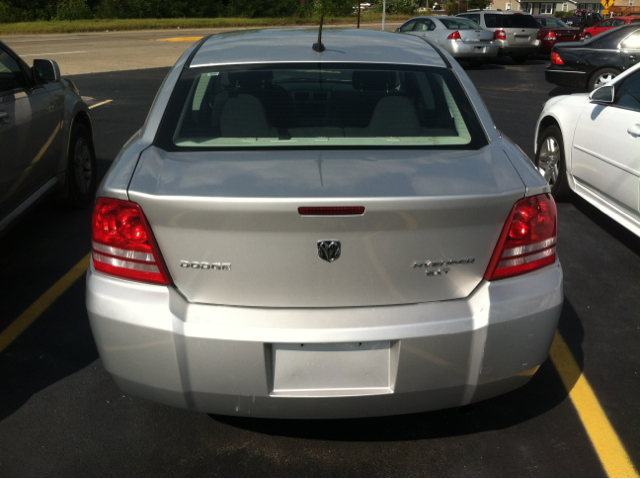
pixel 475 64
pixel 602 76
pixel 81 169
pixel 519 60
pixel 551 164
pixel 587 36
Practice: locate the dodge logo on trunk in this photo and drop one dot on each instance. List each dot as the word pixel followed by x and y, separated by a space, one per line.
pixel 329 250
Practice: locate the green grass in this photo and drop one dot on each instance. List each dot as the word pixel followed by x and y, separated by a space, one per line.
pixel 101 25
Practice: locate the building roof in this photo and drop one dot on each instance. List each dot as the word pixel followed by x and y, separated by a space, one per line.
pixel 294 45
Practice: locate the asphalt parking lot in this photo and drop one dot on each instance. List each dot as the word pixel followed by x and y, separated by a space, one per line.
pixel 61 415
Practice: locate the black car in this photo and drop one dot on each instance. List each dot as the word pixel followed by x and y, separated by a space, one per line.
pixel 582 20
pixel 596 61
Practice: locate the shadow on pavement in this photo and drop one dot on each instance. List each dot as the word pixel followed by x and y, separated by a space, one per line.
pixel 606 223
pixel 565 90
pixel 543 393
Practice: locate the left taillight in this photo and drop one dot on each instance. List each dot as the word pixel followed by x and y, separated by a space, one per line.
pixel 123 244
pixel 455 36
pixel 555 59
pixel 551 36
pixel 528 239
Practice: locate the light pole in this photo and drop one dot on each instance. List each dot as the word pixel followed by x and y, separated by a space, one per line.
pixel 384 11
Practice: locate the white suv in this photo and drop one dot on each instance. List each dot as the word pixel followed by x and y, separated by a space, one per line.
pixel 515 31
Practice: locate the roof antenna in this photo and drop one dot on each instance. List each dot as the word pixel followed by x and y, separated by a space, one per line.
pixel 319 47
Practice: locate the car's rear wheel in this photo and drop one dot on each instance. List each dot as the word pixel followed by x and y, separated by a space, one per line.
pixel 550 162
pixel 81 168
pixel 602 76
pixel 474 64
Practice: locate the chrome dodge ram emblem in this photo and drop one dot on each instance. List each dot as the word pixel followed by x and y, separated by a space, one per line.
pixel 329 250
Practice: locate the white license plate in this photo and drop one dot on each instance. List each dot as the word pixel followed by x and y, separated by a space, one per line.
pixel 343 369
pixel 522 39
pixel 479 49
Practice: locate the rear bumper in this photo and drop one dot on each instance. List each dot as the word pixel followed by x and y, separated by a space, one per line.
pixel 469 50
pixel 252 361
pixel 519 51
pixel 569 78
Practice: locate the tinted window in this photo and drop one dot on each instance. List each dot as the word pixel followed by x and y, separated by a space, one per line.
pixel 519 21
pixel 10 74
pixel 319 106
pixel 628 93
pixel 606 23
pixel 617 23
pixel 491 20
pixel 550 23
pixel 459 24
pixel 474 17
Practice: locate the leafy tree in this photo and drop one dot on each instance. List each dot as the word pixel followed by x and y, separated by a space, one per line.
pixel 453 8
pixel 403 7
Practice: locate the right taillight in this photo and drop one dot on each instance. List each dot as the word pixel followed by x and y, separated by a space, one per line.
pixel 528 239
pixel 499 35
pixel 123 245
pixel 555 59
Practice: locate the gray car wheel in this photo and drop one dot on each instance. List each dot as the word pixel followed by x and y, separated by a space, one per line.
pixel 550 162
pixel 602 76
pixel 81 169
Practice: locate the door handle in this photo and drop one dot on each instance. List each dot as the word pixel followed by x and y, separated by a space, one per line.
pixel 634 130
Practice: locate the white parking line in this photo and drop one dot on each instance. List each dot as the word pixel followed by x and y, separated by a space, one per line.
pixel 51 53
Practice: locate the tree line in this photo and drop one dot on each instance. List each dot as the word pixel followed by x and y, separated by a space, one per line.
pixel 33 10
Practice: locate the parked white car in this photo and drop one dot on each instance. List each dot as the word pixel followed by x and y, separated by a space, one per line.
pixel 590 144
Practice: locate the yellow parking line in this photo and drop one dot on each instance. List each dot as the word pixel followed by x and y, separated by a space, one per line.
pixel 99 104
pixel 23 321
pixel 180 39
pixel 606 442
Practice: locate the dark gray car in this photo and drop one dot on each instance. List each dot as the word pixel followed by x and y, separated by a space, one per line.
pixel 46 138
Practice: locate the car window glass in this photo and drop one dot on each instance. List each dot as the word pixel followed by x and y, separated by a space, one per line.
pixel 459 24
pixel 491 20
pixel 617 23
pixel 424 25
pixel 628 92
pixel 519 21
pixel 407 27
pixel 606 23
pixel 632 42
pixel 551 23
pixel 325 107
pixel 10 74
pixel 474 18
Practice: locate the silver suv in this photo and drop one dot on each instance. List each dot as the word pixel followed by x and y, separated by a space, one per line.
pixel 515 31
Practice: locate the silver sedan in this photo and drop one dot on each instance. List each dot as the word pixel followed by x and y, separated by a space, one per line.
pixel 327 229
pixel 463 39
pixel 46 138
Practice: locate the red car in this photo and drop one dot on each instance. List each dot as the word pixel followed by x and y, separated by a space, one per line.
pixel 607 24
pixel 553 31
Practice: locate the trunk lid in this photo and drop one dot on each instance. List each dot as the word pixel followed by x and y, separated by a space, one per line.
pixel 238 213
pixel 474 36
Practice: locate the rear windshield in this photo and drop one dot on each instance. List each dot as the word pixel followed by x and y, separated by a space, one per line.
pixel 319 106
pixel 551 23
pixel 460 24
pixel 493 20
